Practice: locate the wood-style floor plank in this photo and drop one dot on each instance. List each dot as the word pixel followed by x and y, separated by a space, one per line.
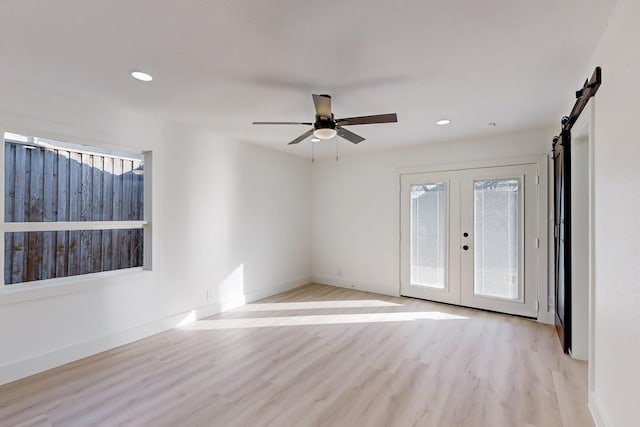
pixel 319 356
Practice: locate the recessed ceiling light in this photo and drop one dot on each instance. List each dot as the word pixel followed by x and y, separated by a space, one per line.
pixel 143 77
pixel 443 122
pixel 315 139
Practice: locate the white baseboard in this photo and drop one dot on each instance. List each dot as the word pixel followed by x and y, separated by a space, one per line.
pixel 597 412
pixel 547 317
pixel 26 367
pixel 23 368
pixel 352 284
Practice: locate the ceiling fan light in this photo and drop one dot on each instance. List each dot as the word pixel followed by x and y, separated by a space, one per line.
pixel 325 133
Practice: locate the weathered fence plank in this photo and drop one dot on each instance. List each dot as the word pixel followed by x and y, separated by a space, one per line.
pixel 9 181
pixel 136 212
pixel 34 212
pixel 17 251
pixel 86 205
pixel 62 238
pixel 107 212
pixel 75 208
pixel 127 188
pixel 117 212
pixel 35 206
pixel 48 238
pixel 96 211
pixel 9 204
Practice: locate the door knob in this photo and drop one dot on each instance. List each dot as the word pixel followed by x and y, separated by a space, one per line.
pixel 465 247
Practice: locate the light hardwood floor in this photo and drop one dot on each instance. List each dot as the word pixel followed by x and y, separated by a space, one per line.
pixel 319 356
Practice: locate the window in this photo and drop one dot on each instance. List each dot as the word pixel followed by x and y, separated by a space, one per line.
pixel 71 210
pixel 497 236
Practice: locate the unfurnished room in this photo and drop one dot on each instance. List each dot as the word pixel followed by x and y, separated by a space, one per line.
pixel 339 214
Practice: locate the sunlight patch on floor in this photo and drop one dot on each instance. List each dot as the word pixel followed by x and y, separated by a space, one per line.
pixel 189 318
pixel 315 320
pixel 276 306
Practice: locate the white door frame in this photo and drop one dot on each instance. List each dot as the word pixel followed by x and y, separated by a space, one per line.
pixel 546 309
pixel 586 123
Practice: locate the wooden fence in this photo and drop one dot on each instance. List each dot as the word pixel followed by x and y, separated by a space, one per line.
pixel 49 185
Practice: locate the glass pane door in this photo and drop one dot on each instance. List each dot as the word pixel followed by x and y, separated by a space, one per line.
pixel 496 223
pixel 499 256
pixel 430 221
pixel 429 235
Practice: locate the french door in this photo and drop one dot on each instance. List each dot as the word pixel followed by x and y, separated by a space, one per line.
pixel 469 237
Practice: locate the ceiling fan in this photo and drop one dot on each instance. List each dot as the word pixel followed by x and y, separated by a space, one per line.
pixel 326 126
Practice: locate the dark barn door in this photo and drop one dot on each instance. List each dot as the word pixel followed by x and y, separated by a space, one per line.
pixel 562 236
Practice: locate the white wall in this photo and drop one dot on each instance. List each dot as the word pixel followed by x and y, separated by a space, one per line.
pixel 228 217
pixel 617 220
pixel 355 212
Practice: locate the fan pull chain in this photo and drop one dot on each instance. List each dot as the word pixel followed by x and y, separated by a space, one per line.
pixel 312 146
pixel 337 153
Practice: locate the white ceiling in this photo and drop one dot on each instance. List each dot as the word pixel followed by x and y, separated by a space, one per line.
pixel 223 64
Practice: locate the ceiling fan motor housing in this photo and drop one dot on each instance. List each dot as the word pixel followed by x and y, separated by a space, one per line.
pixel 324 127
pixel 324 122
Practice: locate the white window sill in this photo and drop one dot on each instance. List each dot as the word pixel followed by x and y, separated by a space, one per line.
pixel 28 291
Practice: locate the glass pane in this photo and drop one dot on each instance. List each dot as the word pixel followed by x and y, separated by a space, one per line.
pixel 48 181
pixel 39 255
pixel 496 242
pixel 428 235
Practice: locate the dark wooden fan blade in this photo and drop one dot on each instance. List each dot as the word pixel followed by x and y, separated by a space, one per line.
pixel 348 135
pixel 302 137
pixel 367 120
pixel 281 123
pixel 323 105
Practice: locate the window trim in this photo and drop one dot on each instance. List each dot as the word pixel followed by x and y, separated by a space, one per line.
pixel 48 288
pixel 71 284
pixel 17 227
